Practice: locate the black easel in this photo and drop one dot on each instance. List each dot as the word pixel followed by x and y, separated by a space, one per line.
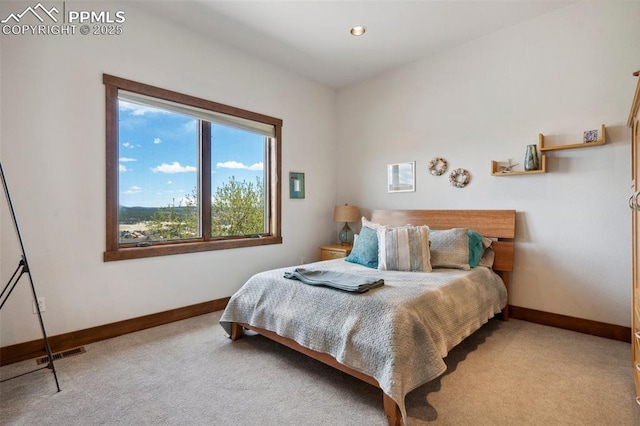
pixel 23 268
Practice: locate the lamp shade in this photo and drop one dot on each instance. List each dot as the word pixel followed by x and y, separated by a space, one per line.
pixel 346 213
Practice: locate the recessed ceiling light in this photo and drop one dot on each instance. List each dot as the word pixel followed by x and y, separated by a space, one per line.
pixel 358 30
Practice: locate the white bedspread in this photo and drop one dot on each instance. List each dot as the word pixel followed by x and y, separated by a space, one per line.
pixel 398 333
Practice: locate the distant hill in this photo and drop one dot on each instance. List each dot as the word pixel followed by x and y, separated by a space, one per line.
pixel 131 215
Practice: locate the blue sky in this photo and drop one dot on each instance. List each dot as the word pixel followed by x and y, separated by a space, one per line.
pixel 158 155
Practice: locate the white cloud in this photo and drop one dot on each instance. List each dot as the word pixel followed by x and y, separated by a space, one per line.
pixel 237 165
pixel 157 141
pixel 169 182
pixel 137 109
pixel 230 165
pixel 122 168
pixel 182 201
pixel 190 126
pixel 128 145
pixel 174 167
pixel 126 160
pixel 133 190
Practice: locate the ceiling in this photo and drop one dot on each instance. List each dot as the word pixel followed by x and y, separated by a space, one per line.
pixel 312 39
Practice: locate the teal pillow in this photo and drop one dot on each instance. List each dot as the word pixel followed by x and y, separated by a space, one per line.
pixel 365 249
pixel 476 248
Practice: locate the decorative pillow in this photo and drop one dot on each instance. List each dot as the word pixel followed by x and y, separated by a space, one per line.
pixel 366 222
pixel 476 248
pixel 450 248
pixel 365 248
pixel 404 248
pixel 489 254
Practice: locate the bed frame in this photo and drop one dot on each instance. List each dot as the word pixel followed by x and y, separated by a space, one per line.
pixel 495 224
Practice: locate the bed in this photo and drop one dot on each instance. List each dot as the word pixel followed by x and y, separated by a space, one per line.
pixel 393 337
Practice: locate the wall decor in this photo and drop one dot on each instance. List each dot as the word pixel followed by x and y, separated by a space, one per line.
pixel 437 166
pixel 296 185
pixel 459 178
pixel 401 177
pixel 590 136
pixel 508 167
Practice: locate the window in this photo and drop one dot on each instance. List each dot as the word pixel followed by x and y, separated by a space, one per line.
pixel 187 175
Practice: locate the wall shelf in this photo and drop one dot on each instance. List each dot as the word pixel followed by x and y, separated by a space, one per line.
pixel 496 165
pixel 601 141
pixel 495 168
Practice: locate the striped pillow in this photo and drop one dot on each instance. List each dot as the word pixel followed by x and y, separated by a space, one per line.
pixel 404 249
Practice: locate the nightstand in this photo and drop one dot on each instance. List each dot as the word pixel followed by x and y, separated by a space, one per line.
pixel 334 251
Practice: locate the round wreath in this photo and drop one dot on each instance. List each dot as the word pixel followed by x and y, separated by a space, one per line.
pixel 459 178
pixel 437 166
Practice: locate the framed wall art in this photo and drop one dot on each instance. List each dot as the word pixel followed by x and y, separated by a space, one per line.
pixel 296 185
pixel 590 136
pixel 401 177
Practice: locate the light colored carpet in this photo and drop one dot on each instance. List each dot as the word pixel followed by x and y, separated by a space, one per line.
pixel 189 373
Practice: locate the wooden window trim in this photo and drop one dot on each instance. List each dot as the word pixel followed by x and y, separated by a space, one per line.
pixel 114 251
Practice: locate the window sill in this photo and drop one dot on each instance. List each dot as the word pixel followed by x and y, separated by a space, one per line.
pixel 182 248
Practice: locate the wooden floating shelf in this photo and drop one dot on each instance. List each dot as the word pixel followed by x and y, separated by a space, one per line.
pixel 601 141
pixel 495 169
pixel 495 165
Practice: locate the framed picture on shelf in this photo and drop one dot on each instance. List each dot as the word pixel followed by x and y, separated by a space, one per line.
pixel 401 177
pixel 590 136
pixel 296 185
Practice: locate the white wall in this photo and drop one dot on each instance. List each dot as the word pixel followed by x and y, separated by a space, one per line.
pixel 559 75
pixel 53 151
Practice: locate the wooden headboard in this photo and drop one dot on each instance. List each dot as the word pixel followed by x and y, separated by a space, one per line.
pixel 496 224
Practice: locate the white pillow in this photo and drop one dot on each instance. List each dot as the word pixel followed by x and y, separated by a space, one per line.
pixel 366 222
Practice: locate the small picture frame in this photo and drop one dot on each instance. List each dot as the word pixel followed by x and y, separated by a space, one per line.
pixel 590 136
pixel 401 177
pixel 296 185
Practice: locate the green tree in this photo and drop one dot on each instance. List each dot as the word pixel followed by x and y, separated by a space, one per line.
pixel 175 222
pixel 238 208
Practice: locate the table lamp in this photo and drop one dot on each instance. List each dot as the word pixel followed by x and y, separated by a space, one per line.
pixel 346 214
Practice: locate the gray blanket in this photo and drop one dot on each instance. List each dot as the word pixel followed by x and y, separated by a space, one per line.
pixel 334 279
pixel 397 334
